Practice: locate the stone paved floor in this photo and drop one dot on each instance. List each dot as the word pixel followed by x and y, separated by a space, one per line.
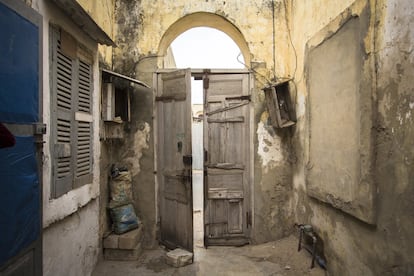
pixel 274 258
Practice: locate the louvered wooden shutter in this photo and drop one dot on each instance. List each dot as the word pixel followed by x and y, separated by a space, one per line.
pixel 61 76
pixel 83 170
pixel 71 84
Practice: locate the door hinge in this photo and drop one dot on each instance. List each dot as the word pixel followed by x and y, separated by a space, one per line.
pixel 248 219
pixel 206 80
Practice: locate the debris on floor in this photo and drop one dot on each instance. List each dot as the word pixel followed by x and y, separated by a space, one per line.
pixel 179 257
pixel 277 258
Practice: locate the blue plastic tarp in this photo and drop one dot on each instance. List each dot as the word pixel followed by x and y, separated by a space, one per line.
pixel 19 68
pixel 19 198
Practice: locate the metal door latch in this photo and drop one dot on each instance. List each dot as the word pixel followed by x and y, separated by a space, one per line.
pixel 39 129
pixel 187 159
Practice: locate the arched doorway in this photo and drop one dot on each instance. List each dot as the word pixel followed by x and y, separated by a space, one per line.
pixel 202 47
pixel 224 152
pixel 202 19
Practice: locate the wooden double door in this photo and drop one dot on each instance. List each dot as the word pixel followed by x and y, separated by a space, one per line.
pixel 227 147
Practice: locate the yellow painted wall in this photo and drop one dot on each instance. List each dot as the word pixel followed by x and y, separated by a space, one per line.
pixel 146 28
pixel 252 18
pixel 354 247
pixel 273 36
pixel 103 12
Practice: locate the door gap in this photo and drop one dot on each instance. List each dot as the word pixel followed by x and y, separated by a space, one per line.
pixel 197 102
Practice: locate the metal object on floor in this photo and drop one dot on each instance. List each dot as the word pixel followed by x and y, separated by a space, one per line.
pixel 306 230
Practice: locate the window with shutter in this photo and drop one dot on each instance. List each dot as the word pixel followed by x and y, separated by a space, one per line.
pixel 71 86
pixel 83 163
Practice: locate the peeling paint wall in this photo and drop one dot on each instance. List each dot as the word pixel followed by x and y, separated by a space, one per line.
pixel 135 152
pixel 273 182
pixel 56 209
pixel 383 246
pixel 139 142
pixel 395 134
pixel 143 32
pixel 339 161
pixel 143 182
pixel 70 222
pixel 135 149
pixel 103 13
pixel 71 246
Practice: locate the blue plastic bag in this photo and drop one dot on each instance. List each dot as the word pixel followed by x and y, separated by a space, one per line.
pixel 124 218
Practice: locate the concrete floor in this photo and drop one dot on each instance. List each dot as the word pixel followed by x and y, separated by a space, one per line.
pixel 273 258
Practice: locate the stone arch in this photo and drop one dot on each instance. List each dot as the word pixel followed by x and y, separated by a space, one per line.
pixel 204 19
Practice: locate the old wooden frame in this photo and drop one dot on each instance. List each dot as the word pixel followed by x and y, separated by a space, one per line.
pixel 198 73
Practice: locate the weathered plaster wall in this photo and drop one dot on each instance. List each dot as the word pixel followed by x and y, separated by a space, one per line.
pixel 107 159
pixel 128 18
pixel 280 195
pixel 142 162
pixel 131 152
pixel 169 60
pixel 273 182
pixel 339 162
pixel 102 12
pixel 141 26
pixel 71 246
pixel 395 135
pixel 143 32
pixel 135 149
pixel 70 222
pixel 353 247
pixel 56 209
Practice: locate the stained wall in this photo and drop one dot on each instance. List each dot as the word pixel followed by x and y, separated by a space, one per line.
pixel 365 227
pixel 103 13
pixel 144 30
pixel 71 221
pixel 364 222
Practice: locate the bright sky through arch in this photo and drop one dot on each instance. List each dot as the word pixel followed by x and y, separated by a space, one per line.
pixel 204 48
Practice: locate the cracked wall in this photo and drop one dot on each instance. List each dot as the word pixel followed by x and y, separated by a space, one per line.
pixel 144 30
pixel 70 222
pixel 379 242
pixel 135 152
pixel 103 12
pixel 273 173
pixel 382 245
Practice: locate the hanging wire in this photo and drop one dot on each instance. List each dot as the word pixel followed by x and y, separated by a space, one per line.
pixel 274 40
pixel 252 69
pixel 291 42
pixel 292 78
pixel 276 78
